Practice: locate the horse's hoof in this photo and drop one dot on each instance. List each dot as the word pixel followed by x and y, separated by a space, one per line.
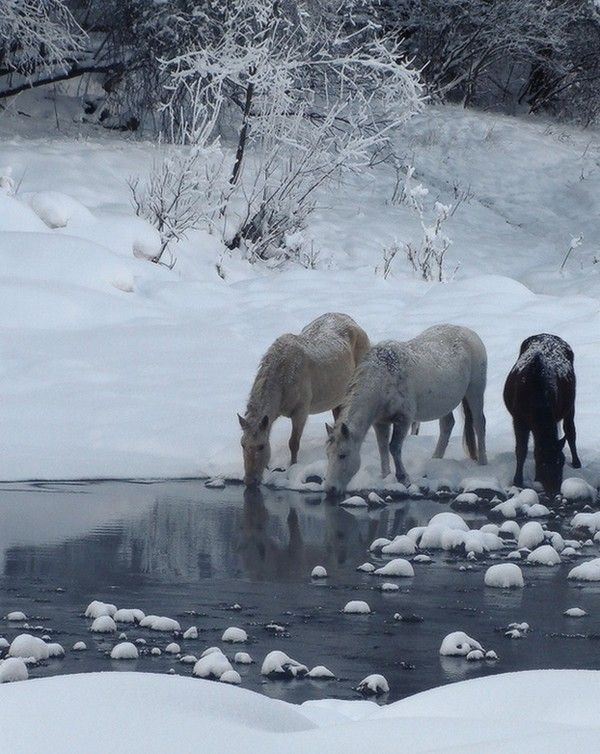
pixel 576 464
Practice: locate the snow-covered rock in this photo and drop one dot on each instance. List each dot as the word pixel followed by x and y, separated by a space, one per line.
pixel 160 623
pixel 422 558
pixel 588 571
pixel 504 576
pixel 357 607
pixel 97 609
pixel 431 537
pixel 191 633
pixel 398 567
pixel 475 655
pixel 231 676
pixel 242 658
pixel 29 648
pixel 234 635
pixel 17 616
pixel 4 643
pixel 318 572
pixel 13 669
pixel 124 651
pixel 510 529
pixel 128 615
pixel 104 624
pixel 531 535
pixel 79 646
pixel 537 511
pixel 278 664
pixel 458 644
pixel 589 522
pixel 55 649
pixel 544 555
pixel 483 487
pixel 188 660
pixel 400 545
pixel 156 652
pixel 373 685
pixel 212 666
pixel 355 501
pixel 577 490
pixel 388 586
pixel 366 568
pixel 575 612
pixel 320 672
pixel 173 648
pixel 378 544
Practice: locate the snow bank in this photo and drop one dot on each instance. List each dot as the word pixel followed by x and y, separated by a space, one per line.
pixel 13 669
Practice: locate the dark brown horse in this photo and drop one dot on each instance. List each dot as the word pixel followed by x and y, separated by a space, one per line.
pixel 539 393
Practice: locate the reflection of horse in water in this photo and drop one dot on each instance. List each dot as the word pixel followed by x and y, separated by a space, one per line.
pixel 270 552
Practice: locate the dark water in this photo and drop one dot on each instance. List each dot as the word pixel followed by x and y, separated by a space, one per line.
pixel 181 550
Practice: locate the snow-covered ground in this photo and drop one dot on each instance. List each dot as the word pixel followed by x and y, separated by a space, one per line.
pixel 538 711
pixel 113 367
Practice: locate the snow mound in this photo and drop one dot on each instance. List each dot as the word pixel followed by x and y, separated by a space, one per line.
pixel 544 555
pixel 504 576
pixel 242 658
pixel 188 660
pixel 318 572
pixel 16 216
pixel 431 538
pixel 378 544
pixel 13 669
pixel 16 617
pixel 231 676
pixel 212 666
pixel 124 651
pixel 577 490
pixel 160 623
pixel 173 648
pixel 320 672
pixel 366 568
pixel 483 487
pixel 373 685
pixel 511 529
pixel 191 633
pixel 537 511
pixel 531 535
pixel 588 571
pixel 128 615
pixel 458 644
pixel 4 643
pixel 103 625
pixel 234 635
pixel 356 501
pixel 400 545
pixel 388 586
pixel 55 650
pixel 79 646
pixel 357 607
pixel 278 664
pixel 398 567
pixel 587 521
pixel 29 648
pixel 575 612
pixel 96 609
pixel 56 210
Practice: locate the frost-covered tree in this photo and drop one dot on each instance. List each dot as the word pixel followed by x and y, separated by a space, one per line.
pixel 309 88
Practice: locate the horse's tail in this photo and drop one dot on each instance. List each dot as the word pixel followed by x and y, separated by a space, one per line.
pixel 469 433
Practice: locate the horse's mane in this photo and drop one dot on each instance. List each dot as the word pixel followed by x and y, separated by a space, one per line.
pixel 268 376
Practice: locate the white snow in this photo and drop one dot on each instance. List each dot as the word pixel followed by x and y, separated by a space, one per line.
pixel 366 568
pixel 544 555
pixel 242 658
pixel 400 545
pixel 79 646
pixel 588 571
pixel 96 609
pixel 231 676
pixel 29 648
pixel 398 567
pixel 504 576
pixel 373 685
pixel 191 633
pixel 188 660
pixel 103 625
pixel 359 607
pixel 4 643
pixel 173 648
pixel 355 501
pixel 212 665
pixel 378 544
pixel 441 523
pixel 537 511
pixel 318 572
pixel 512 528
pixel 531 535
pixel 156 651
pixel 16 616
pixel 128 615
pixel 125 650
pixel 234 635
pixel 55 649
pixel 160 623
pixel 277 663
pixel 388 586
pixel 575 612
pixel 588 521
pixel 422 558
pixel 458 644
pixel 320 672
pixel 577 490
pixel 13 669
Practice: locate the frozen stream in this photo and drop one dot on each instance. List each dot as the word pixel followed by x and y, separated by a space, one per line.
pixel 181 550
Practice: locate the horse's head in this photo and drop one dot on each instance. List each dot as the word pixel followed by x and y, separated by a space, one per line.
pixel 343 458
pixel 255 447
pixel 549 464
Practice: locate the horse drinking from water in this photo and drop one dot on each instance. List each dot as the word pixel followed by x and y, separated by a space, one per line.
pixel 299 375
pixel 539 393
pixel 400 383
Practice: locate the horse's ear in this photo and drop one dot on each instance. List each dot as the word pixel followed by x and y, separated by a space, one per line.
pixel 329 429
pixel 264 422
pixel 561 443
pixel 345 431
pixel 243 422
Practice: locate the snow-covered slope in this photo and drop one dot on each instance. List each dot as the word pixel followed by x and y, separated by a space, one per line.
pixel 537 711
pixel 112 366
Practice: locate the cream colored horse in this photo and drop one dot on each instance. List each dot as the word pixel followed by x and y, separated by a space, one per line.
pixel 299 375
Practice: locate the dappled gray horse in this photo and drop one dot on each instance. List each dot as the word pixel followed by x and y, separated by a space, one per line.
pixel 299 375
pixel 400 383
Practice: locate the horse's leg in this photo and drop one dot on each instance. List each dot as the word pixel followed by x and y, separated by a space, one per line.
pixel 446 425
pixel 569 429
pixel 336 412
pixel 382 432
pixel 521 442
pixel 298 421
pixel 474 397
pixel 415 427
pixel 401 428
